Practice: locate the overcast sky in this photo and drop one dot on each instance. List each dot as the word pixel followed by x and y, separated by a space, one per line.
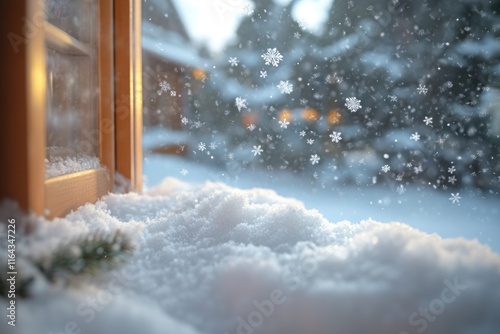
pixel 215 21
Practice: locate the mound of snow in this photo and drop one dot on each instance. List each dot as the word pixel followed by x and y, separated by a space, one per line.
pixel 215 259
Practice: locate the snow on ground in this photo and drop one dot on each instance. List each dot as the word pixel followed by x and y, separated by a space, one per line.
pixel 477 216
pixel 216 259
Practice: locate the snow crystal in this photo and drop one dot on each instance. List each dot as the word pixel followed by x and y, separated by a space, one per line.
pixel 422 89
pixel 257 150
pixel 240 103
pixel 285 87
pixel 336 136
pixel 216 259
pixel 272 57
pixel 233 61
pixel 353 104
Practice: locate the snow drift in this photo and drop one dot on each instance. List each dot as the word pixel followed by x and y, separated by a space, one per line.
pixel 215 259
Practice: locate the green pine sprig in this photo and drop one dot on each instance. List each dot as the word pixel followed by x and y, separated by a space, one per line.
pixel 89 256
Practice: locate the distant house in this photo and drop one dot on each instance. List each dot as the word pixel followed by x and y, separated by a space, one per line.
pixel 170 63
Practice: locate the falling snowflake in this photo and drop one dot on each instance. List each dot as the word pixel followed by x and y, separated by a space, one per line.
pixel 353 104
pixel 415 136
pixel 164 86
pixel 284 123
pixel 310 141
pixel 296 35
pixel 263 74
pixel 428 121
pixel 184 120
pixel 233 61
pixel 197 124
pixel 251 127
pixel 455 198
pixel 173 93
pixel 184 172
pixel 452 170
pixel 213 145
pixel 302 133
pixel 302 24
pixel 386 168
pixel 336 136
pixel 257 150
pixel 314 159
pixel 272 57
pixel 201 146
pixel 418 169
pixel 401 189
pixel 393 98
pixel 248 9
pixel 240 103
pixel 285 87
pixel 422 89
pixel 452 179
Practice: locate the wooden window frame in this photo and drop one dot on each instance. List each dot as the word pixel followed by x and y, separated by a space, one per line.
pixel 23 133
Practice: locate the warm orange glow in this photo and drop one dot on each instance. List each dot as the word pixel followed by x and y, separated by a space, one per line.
pixel 285 114
pixel 334 116
pixel 249 118
pixel 199 74
pixel 310 115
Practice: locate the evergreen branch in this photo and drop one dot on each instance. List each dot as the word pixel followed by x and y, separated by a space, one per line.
pixel 87 257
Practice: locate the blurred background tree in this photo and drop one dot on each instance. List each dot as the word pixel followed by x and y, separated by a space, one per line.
pixel 421 71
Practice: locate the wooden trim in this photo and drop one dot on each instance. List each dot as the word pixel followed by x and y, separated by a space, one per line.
pixel 68 192
pixel 138 97
pixel 128 98
pixel 23 96
pixel 106 84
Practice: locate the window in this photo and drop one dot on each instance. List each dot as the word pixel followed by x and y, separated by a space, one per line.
pixel 73 69
pixel 72 87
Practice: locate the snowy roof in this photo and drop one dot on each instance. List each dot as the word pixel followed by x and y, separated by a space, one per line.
pixel 164 35
pixel 164 44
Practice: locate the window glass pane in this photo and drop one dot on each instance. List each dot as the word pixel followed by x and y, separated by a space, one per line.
pixel 357 108
pixel 73 17
pixel 72 113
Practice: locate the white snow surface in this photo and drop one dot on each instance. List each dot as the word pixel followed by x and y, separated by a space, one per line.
pixel 212 259
pixel 57 166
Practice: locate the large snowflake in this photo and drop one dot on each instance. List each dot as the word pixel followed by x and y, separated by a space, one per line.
pixel 272 57
pixel 240 103
pixel 257 150
pixel 336 136
pixel 455 198
pixel 353 104
pixel 285 87
pixel 422 89
pixel 314 159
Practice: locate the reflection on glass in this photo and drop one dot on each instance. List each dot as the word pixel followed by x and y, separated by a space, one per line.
pixel 73 17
